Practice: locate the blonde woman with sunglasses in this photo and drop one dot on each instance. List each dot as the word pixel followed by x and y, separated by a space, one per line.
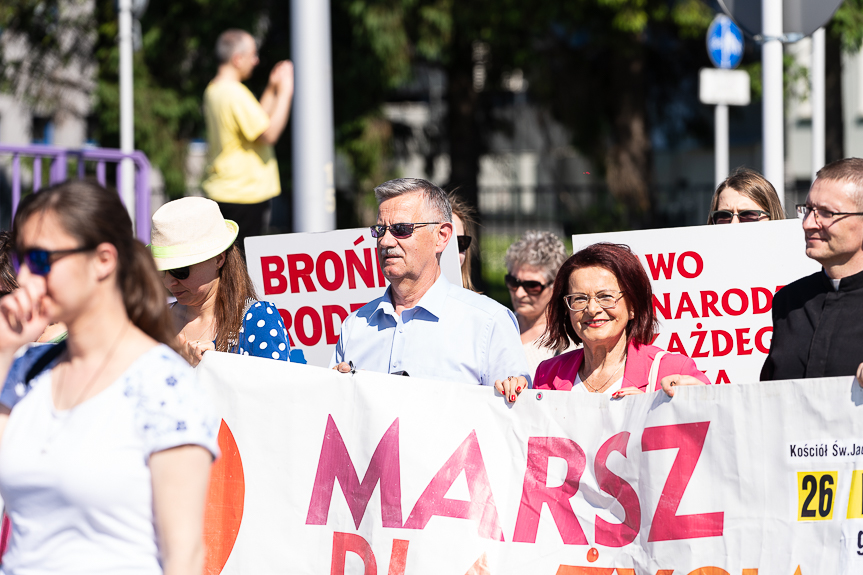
pixel 216 307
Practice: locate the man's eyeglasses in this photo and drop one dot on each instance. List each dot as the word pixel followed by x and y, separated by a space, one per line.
pixel 821 215
pixel 746 216
pixel 39 261
pixel 532 287
pixel 463 243
pixel 179 273
pixel 399 231
pixel 580 301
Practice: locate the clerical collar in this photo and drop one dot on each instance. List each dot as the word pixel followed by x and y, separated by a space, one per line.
pixel 849 283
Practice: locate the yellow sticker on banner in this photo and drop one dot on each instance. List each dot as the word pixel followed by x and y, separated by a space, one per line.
pixel 816 492
pixel 855 498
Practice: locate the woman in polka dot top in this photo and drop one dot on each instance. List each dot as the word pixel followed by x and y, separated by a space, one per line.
pixel 216 307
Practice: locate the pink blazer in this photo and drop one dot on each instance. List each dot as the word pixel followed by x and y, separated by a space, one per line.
pixel 559 372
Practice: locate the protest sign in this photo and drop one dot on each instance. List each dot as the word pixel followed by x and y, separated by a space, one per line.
pixel 317 279
pixel 370 474
pixel 713 288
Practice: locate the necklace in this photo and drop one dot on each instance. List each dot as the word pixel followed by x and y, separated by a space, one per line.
pixel 67 413
pixel 601 387
pixel 186 322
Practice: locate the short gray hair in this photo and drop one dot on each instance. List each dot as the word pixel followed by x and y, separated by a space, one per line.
pixel 437 203
pixel 541 250
pixel 231 42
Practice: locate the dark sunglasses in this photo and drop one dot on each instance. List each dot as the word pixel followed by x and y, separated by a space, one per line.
pixel 399 231
pixel 179 273
pixel 532 287
pixel 463 243
pixel 746 216
pixel 39 261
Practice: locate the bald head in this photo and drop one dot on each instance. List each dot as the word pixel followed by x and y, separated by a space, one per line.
pixel 231 43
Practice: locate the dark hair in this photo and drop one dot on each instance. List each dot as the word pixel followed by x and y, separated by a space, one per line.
pixel 467 214
pixel 846 170
pixel 229 43
pixel 8 281
pixel 633 282
pixel 93 215
pixel 235 289
pixel 754 186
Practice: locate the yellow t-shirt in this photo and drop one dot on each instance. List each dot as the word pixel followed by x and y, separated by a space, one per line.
pixel 239 170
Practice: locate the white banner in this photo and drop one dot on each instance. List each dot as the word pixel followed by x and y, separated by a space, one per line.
pixel 713 288
pixel 317 279
pixel 328 473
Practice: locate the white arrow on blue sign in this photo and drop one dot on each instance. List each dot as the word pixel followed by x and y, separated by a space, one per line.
pixel 724 42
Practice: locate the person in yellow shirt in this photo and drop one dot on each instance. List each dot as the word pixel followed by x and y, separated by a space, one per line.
pixel 242 175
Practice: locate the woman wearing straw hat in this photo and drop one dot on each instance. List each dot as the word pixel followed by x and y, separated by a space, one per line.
pixel 216 308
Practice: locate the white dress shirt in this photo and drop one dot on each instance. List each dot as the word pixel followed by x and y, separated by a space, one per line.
pixel 451 334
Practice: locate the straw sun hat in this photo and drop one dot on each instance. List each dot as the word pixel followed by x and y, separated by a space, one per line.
pixel 189 231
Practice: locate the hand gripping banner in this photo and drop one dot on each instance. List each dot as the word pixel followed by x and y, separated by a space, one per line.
pixel 329 474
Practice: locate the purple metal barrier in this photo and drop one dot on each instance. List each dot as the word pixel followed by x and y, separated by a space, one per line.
pixel 57 173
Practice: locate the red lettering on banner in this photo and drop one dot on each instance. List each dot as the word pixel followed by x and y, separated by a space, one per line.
pixel 338 270
pixel 700 335
pixel 688 439
pixel 535 490
pixel 273 269
pixel 722 377
pixel 744 301
pixel 664 308
pixel 300 326
pixel 296 273
pixel 398 557
pixel 382 281
pixel 335 463
pixel 356 306
pixel 661 266
pixel 741 341
pixel 681 267
pixel 675 345
pixel 655 337
pixel 480 508
pixel 759 343
pixel 778 288
pixel 344 543
pixel 332 329
pixel 718 351
pixel 685 306
pixel 768 300
pixel 610 534
pixel 709 299
pixel 286 319
pixel 366 272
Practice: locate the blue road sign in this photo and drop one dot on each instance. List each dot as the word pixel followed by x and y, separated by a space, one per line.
pixel 724 42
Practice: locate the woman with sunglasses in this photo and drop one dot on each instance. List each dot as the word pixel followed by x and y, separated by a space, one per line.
pixel 216 307
pixel 106 452
pixel 745 196
pixel 602 299
pixel 531 264
pixel 464 222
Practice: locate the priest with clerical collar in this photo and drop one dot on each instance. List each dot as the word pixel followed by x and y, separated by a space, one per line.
pixel 818 319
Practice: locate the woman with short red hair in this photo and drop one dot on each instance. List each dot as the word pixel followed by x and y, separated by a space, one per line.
pixel 602 298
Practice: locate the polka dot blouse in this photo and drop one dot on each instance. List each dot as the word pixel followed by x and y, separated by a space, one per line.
pixel 263 333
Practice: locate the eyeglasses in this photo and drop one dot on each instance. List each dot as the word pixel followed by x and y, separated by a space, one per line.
pixel 532 287
pixel 580 301
pixel 399 231
pixel 39 261
pixel 821 215
pixel 463 243
pixel 179 273
pixel 746 216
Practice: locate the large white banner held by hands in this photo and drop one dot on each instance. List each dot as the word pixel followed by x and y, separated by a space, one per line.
pixel 328 474
pixel 713 288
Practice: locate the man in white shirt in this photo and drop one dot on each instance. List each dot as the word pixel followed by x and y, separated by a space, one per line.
pixel 423 326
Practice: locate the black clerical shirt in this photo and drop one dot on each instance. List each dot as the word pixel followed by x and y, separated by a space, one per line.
pixel 817 330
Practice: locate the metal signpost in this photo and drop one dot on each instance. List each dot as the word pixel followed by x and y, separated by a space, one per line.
pixel 722 85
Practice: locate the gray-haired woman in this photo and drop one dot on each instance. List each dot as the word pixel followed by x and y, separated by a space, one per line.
pixel 532 264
